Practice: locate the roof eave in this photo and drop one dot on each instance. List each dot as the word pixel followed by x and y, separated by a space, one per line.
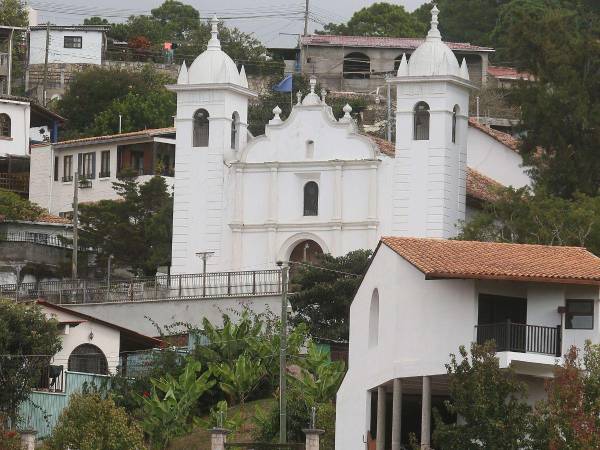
pixel 548 280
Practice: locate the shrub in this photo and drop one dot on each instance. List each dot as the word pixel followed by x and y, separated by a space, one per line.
pixel 91 422
pixel 9 440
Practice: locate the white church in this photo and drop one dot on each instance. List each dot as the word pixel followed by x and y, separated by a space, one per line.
pixel 315 184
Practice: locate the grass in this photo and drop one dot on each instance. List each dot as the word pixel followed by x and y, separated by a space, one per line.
pixel 199 439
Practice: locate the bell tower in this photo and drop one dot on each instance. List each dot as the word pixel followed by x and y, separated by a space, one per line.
pixel 211 122
pixel 429 180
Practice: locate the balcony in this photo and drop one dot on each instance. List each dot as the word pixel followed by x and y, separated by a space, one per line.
pixel 521 338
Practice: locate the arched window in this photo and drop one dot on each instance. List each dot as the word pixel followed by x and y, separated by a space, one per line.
pixel 235 129
pixel 455 113
pixel 311 199
pixel 421 122
pixel 357 65
pixel 201 128
pixel 4 125
pixel 310 149
pixel 88 358
pixel 374 319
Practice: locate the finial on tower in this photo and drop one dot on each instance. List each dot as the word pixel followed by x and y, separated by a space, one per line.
pixel 347 110
pixel 313 84
pixel 276 115
pixel 299 97
pixel 214 42
pixel 323 95
pixel 434 33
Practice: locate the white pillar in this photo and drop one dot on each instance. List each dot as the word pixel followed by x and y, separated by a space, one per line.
pixel 218 438
pixel 426 415
pixel 28 439
pixel 397 414
pixel 380 418
pixel 313 438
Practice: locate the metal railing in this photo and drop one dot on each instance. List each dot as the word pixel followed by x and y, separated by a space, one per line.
pixel 520 337
pixel 50 240
pixel 51 379
pixel 264 446
pixel 161 287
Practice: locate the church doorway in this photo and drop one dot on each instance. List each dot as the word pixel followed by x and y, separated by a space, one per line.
pixel 307 251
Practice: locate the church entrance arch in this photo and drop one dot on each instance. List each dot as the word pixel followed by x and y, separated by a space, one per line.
pixel 307 251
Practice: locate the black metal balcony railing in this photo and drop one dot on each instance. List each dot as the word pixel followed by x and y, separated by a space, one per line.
pixel 520 337
pixel 161 287
pixel 51 379
pixel 50 240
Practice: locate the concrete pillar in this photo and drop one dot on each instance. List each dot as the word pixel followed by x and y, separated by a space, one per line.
pixel 28 439
pixel 218 437
pixel 313 437
pixel 396 414
pixel 380 418
pixel 426 415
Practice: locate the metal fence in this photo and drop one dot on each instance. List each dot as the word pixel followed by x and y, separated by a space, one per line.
pixel 15 182
pixel 524 338
pixel 161 287
pixel 51 240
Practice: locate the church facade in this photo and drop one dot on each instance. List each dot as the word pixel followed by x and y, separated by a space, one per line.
pixel 314 184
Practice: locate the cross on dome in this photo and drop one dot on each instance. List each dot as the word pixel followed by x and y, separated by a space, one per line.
pixel 214 42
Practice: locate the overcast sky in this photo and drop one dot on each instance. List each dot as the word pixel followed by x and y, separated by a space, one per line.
pixel 275 17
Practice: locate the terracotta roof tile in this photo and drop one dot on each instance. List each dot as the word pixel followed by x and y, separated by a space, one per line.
pixel 149 133
pixel 509 73
pixel 439 258
pixel 49 218
pixel 381 42
pixel 500 136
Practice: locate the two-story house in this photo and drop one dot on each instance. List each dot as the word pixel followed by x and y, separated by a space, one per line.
pixel 422 298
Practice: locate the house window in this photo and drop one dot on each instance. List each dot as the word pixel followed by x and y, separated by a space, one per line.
pixel 73 41
pixel 235 129
pixel 86 165
pixel 455 112
pixel 311 199
pixel 56 168
pixel 4 125
pixel 421 122
pixel 580 315
pixel 105 164
pixel 356 65
pixel 374 319
pixel 88 358
pixel 137 162
pixel 68 168
pixel 201 128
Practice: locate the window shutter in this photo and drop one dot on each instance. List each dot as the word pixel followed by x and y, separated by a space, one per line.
pixel 79 163
pixel 93 174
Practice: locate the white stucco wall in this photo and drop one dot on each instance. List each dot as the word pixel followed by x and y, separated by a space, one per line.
pixel 495 160
pixel 105 338
pixel 18 142
pixel 89 53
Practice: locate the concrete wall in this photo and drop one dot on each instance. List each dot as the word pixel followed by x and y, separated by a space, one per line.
pixel 18 142
pixel 136 315
pixel 89 53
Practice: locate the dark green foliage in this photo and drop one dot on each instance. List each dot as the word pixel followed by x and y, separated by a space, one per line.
pixel 136 229
pixel 519 216
pixel 13 13
pixel 489 400
pixel 96 93
pixel 14 207
pixel 27 342
pixel 380 19
pixel 322 298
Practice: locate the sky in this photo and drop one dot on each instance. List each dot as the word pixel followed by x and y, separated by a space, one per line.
pixel 274 22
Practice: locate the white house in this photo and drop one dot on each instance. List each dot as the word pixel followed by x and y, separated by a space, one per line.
pixel 422 298
pixel 314 184
pixel 98 161
pixel 68 44
pixel 91 345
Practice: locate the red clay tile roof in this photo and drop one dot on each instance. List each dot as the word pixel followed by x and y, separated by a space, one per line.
pixel 381 42
pixel 49 218
pixel 115 137
pixel 508 73
pixel 500 136
pixel 479 186
pixel 440 258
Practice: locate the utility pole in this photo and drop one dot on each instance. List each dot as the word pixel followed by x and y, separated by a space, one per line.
pixel 389 113
pixel 306 19
pixel 45 80
pixel 282 354
pixel 75 225
pixel 10 52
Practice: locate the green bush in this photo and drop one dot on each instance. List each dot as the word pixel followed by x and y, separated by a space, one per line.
pixel 91 422
pixel 9 440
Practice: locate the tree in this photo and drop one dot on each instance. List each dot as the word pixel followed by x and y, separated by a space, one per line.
pixel 13 13
pixel 95 20
pixel 324 293
pixel 136 229
pixel 569 418
pixel 380 19
pixel 177 19
pixel 14 207
pixel 95 90
pixel 27 342
pixel 522 216
pixel 91 422
pixel 239 378
pixel 489 400
pixel 168 411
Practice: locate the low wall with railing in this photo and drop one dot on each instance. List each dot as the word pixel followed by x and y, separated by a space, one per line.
pixel 161 287
pixel 520 337
pixel 41 411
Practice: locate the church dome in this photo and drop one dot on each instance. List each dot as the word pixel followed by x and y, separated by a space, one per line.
pixel 433 57
pixel 214 65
